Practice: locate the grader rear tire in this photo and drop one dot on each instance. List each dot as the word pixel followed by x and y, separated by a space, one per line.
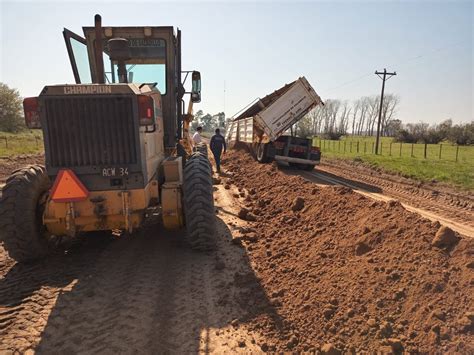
pixel 21 209
pixel 199 203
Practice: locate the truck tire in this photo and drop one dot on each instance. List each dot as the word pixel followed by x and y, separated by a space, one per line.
pixel 198 203
pixel 21 211
pixel 262 153
pixel 308 167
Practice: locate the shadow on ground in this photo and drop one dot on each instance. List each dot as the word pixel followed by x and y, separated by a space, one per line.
pixel 144 293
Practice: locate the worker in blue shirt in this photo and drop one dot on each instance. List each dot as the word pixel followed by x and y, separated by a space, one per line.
pixel 217 145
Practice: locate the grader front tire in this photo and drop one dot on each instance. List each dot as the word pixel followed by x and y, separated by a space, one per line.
pixel 202 148
pixel 199 203
pixel 21 209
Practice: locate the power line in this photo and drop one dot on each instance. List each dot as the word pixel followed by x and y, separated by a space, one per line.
pixel 415 58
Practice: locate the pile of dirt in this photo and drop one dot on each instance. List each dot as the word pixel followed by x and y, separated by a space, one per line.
pixel 10 164
pixel 346 273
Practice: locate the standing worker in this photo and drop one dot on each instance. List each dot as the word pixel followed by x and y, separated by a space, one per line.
pixel 217 145
pixel 197 136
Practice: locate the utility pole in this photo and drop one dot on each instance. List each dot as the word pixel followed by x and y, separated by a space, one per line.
pixel 384 78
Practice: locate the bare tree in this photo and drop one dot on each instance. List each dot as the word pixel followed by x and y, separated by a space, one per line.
pixel 389 109
pixel 330 114
pixel 364 104
pixel 344 118
pixel 355 111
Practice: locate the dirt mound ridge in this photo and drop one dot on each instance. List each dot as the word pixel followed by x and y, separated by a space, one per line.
pixel 347 273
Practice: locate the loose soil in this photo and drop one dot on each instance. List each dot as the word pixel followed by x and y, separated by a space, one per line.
pixel 358 274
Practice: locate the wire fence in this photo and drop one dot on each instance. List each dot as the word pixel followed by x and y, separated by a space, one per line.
pixel 446 152
pixel 20 144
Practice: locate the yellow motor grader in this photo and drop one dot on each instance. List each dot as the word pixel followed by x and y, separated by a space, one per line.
pixel 116 144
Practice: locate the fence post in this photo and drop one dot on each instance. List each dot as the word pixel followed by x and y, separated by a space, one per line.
pixel 350 146
pixel 339 146
pixel 357 146
pixel 412 145
pixel 401 148
pixel 365 147
pixel 6 142
pixel 390 149
pixel 426 146
pixel 440 147
pixel 373 147
pixel 457 153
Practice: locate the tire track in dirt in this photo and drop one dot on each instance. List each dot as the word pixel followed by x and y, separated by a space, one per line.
pixel 455 205
pixel 459 215
pixel 459 227
pixel 28 292
pixel 144 293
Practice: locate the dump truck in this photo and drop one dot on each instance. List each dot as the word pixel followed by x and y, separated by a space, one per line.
pixel 261 126
pixel 116 146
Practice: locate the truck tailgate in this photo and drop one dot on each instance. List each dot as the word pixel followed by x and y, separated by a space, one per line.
pixel 288 108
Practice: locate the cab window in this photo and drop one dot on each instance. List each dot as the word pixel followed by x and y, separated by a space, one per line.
pixel 147 73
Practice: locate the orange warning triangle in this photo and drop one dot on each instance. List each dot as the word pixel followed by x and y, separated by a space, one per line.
pixel 68 188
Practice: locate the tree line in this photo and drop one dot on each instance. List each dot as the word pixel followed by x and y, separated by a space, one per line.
pixel 337 118
pixel 209 122
pixel 461 134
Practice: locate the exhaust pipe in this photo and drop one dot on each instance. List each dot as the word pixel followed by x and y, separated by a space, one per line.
pixel 99 61
pixel 119 52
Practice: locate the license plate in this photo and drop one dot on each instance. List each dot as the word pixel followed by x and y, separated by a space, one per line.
pixel 117 171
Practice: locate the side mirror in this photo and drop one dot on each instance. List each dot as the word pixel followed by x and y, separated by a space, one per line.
pixel 196 89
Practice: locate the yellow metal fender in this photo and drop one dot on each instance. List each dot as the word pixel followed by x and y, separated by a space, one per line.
pixel 172 210
pixel 102 210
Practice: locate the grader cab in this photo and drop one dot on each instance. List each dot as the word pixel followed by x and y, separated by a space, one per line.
pixel 116 144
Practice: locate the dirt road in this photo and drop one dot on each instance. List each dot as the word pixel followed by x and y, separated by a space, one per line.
pixel 148 293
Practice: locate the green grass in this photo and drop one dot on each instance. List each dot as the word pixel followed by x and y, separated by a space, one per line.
pixel 408 159
pixel 27 142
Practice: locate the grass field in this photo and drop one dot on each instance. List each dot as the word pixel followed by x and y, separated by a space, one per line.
pixel 407 159
pixel 26 142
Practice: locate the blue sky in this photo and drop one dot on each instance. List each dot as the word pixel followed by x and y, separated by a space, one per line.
pixel 255 47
